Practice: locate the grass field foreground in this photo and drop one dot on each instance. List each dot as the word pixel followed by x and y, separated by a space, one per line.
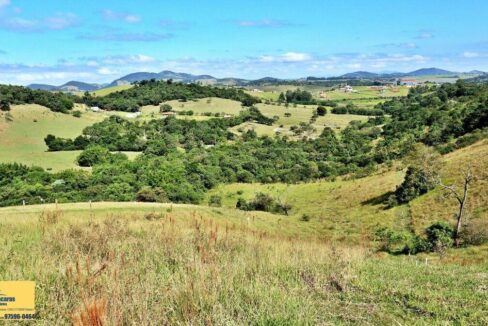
pixel 181 265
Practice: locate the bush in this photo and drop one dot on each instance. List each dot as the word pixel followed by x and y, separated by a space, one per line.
pixel 416 183
pixel 440 235
pixel 263 202
pixel 305 218
pixel 215 201
pixel 92 155
pixel 475 232
pixel 321 111
pixel 151 195
pixel 76 114
pixel 165 108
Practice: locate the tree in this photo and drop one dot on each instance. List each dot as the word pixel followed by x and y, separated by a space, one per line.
pixel 4 105
pixel 92 155
pixel 321 111
pixel 461 196
pixel 165 108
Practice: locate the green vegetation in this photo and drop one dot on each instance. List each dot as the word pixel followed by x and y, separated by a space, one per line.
pixel 155 92
pixel 221 266
pixel 14 95
pixel 289 227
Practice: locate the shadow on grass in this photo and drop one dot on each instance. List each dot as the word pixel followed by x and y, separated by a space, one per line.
pixel 379 200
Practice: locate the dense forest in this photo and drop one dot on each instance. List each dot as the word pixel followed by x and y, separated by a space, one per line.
pixel 12 95
pixel 149 92
pixel 183 159
pixel 119 134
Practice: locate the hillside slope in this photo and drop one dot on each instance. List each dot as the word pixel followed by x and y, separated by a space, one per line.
pixel 351 210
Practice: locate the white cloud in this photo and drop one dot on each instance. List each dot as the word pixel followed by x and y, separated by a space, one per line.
pixel 354 65
pixel 121 16
pixel 127 59
pixel 286 57
pixel 468 54
pixel 106 71
pixel 59 21
pixel 424 35
pixel 295 57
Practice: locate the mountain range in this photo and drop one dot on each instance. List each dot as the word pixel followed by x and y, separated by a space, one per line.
pixel 77 86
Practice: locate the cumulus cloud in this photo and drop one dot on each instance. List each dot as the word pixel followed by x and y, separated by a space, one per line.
pixel 128 37
pixel 120 16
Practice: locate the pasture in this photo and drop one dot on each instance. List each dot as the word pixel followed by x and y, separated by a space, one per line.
pixel 22 135
pixel 183 264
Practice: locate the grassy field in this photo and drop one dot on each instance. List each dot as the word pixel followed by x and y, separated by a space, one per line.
pixel 173 264
pixel 272 92
pixel 22 139
pixel 199 107
pixel 182 264
pixel 351 210
pixel 108 90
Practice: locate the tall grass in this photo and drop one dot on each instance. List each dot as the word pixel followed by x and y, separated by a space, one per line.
pixel 173 269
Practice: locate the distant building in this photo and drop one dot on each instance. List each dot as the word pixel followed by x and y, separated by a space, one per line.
pixel 347 89
pixel 409 82
pixel 95 109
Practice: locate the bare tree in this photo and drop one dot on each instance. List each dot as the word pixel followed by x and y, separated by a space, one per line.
pixel 461 196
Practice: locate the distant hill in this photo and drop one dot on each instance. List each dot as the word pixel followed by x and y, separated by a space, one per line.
pixel 429 72
pixel 415 73
pixel 163 75
pixel 71 86
pixel 360 74
pixel 43 87
pixel 76 86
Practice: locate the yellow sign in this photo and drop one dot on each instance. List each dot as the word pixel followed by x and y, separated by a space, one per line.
pixel 17 300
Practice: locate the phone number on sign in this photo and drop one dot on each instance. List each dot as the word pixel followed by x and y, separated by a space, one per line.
pixel 20 316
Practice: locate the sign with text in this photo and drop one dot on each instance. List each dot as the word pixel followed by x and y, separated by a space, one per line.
pixel 17 300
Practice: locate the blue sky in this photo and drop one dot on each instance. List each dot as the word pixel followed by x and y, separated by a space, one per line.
pixel 98 41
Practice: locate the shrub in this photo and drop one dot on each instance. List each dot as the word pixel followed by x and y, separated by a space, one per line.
pixel 152 195
pixel 416 183
pixel 305 218
pixel 92 155
pixel 215 201
pixel 440 235
pixel 321 111
pixel 475 232
pixel 76 114
pixel 165 108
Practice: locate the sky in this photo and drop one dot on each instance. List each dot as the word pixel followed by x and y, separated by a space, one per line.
pixel 98 41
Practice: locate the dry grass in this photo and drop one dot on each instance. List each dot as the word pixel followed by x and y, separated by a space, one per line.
pixel 181 269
